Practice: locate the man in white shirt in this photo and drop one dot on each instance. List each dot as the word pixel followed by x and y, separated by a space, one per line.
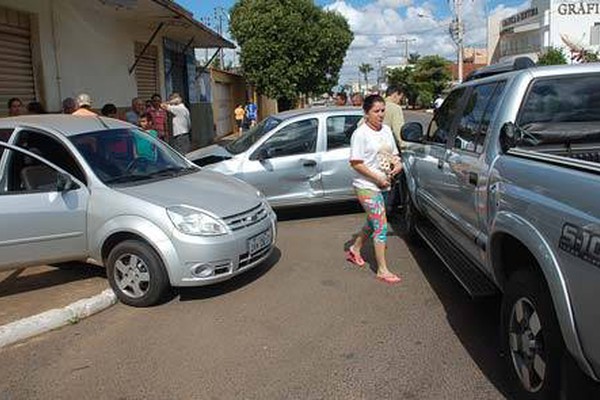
pixel 182 123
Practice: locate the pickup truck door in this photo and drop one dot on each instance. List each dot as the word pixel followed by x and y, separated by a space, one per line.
pixel 430 160
pixel 467 170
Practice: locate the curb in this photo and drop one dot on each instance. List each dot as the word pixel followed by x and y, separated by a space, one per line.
pixel 53 319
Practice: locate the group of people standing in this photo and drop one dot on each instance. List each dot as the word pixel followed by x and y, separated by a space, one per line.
pixel 375 154
pixel 151 115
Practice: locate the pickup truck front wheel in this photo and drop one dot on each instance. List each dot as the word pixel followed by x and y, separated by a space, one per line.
pixel 531 338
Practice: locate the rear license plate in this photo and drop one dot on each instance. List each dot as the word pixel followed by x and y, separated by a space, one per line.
pixel 259 242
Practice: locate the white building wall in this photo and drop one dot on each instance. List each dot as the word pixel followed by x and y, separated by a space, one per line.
pixel 85 52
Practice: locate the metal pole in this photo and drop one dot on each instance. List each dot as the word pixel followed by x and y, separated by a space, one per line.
pixel 460 39
pixel 137 59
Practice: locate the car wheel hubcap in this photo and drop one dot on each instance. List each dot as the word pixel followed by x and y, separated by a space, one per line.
pixel 131 275
pixel 527 345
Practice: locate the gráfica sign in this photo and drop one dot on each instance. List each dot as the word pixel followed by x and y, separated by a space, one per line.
pixel 581 8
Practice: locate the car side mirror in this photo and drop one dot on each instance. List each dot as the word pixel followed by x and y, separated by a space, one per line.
pixel 412 132
pixel 263 154
pixel 510 136
pixel 64 182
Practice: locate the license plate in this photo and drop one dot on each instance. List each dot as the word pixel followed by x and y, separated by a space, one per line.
pixel 259 242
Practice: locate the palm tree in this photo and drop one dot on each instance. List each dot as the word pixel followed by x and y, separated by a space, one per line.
pixel 365 69
pixel 413 58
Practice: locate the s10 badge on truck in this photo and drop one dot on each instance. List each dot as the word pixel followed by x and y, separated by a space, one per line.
pixel 581 243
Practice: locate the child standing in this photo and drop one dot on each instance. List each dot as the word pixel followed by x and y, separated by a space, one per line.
pixel 144 147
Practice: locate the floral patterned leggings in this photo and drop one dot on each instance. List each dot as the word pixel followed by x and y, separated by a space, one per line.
pixel 374 205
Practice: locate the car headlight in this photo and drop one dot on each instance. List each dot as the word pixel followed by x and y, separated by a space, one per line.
pixel 195 222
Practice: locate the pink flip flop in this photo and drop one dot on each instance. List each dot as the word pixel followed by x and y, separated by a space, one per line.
pixel 390 278
pixel 354 258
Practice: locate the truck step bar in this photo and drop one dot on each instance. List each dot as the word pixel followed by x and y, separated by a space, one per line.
pixel 475 282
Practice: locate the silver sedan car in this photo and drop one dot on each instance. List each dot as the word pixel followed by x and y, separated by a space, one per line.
pixel 100 190
pixel 295 158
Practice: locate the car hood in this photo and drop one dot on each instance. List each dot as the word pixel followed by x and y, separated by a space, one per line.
pixel 209 155
pixel 216 193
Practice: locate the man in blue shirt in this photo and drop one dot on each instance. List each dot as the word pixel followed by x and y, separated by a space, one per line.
pixel 251 113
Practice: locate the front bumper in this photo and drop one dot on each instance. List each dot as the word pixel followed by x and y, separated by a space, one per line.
pixel 221 257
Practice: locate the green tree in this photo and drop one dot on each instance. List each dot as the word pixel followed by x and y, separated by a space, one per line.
pixel 552 56
pixel 289 47
pixel 365 69
pixel 429 76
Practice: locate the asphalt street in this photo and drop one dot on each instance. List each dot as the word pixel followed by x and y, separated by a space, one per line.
pixel 306 325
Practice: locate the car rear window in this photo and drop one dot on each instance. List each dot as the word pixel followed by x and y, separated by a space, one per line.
pixel 565 99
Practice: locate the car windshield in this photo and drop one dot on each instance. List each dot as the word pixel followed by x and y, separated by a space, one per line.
pixel 250 137
pixel 120 156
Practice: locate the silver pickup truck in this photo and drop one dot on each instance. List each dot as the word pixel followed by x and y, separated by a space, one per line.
pixel 505 187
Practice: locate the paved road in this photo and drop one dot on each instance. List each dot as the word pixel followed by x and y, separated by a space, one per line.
pixel 305 326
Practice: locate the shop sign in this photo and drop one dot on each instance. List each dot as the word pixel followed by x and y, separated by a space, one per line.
pixel 518 17
pixel 581 8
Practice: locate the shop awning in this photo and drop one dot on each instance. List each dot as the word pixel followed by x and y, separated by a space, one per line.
pixel 175 22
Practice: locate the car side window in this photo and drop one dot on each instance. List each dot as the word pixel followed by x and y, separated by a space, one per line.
pixel 296 138
pixel 52 150
pixel 340 129
pixel 4 137
pixel 439 128
pixel 471 122
pixel 488 114
pixel 25 174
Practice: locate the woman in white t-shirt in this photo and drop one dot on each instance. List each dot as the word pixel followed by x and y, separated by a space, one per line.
pixel 374 156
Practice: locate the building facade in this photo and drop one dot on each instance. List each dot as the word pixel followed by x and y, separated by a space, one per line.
pixel 573 26
pixel 114 50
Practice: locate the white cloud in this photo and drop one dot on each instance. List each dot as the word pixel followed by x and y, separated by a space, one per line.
pixel 380 26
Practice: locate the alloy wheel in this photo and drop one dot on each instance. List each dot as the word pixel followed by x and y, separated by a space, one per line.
pixel 526 344
pixel 131 275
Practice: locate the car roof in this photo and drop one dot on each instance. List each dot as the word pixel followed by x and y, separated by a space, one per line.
pixel 539 72
pixel 68 125
pixel 317 111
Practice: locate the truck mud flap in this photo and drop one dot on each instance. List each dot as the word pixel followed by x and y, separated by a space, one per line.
pixel 475 282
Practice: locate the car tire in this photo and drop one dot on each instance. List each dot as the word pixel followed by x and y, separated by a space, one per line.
pixel 410 217
pixel 531 338
pixel 137 274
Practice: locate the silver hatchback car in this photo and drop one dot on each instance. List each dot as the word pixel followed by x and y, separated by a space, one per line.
pixel 98 189
pixel 295 157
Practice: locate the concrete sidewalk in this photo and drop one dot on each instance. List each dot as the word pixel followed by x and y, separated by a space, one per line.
pixel 38 299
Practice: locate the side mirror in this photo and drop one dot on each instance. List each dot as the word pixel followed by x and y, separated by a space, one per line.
pixel 510 136
pixel 412 132
pixel 64 182
pixel 262 154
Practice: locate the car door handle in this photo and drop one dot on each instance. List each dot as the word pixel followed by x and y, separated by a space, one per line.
pixel 309 163
pixel 473 178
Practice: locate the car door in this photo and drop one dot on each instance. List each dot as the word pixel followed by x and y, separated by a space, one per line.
pixel 430 159
pixel 286 166
pixel 467 169
pixel 42 220
pixel 336 173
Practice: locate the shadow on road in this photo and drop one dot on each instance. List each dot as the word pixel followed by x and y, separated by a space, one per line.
pixel 36 278
pixel 475 322
pixel 318 211
pixel 233 284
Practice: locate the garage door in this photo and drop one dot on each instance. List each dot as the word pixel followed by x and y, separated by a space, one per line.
pixel 146 71
pixel 16 67
pixel 224 105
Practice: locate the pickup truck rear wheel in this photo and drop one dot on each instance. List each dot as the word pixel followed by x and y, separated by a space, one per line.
pixel 137 274
pixel 531 337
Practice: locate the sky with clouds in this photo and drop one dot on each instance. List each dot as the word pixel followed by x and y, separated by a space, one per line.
pixel 380 26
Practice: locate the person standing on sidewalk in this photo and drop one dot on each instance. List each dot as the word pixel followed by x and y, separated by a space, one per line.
pixel 159 117
pixel 374 156
pixel 182 123
pixel 239 114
